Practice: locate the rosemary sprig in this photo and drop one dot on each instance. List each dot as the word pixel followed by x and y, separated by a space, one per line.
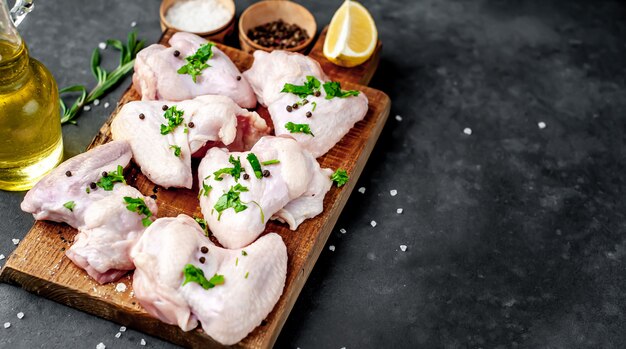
pixel 106 80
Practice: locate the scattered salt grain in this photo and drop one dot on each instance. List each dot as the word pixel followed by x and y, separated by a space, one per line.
pixel 7 324
pixel 102 45
pixel 101 346
pixel 143 341
pixel 1 257
pixel 332 248
pixel 120 287
pixel 467 131
pixel 393 192
pixel 106 105
pixel 342 230
pixel 362 190
pixel 541 125
pixel 20 315
pixel 96 102
pixel 133 24
pixel 123 329
pixel 118 335
pixel 403 248
pixel 398 117
pixel 15 241
pixel 373 223
pixel 87 108
pixel 399 211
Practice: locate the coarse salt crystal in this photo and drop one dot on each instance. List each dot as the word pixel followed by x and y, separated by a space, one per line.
pixel 332 248
pixel 143 341
pixel 373 223
pixel 120 287
pixel 362 190
pixel 198 15
pixel 1 257
pixel 102 45
pixel 101 346
pixel 403 248
pixel 133 24
pixel 123 329
pixel 87 108
pixel 118 335
pixel 342 230
pixel 393 192
pixel 15 241
pixel 398 117
pixel 541 125
pixel 96 102
pixel 106 105
pixel 7 324
pixel 399 211
pixel 467 131
pixel 20 315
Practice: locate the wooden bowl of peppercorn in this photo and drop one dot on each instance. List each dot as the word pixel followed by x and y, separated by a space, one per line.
pixel 276 25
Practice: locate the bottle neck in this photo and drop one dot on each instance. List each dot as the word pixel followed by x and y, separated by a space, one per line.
pixel 13 52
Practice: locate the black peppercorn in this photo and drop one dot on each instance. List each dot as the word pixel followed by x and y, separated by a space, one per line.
pixel 266 173
pixel 238 77
pixel 92 185
pixel 317 93
pixel 191 125
pixel 68 173
pixel 204 249
pixel 142 116
pixel 202 260
pixel 246 176
pixel 176 53
pixel 104 174
pixel 153 196
pixel 164 107
pixel 289 108
pixel 295 106
pixel 309 114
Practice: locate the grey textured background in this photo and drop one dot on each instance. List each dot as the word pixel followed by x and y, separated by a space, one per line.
pixel 515 234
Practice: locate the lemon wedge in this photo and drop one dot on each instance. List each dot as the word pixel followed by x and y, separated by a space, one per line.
pixel 352 35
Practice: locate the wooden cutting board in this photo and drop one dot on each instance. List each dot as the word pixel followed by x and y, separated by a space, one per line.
pixel 39 264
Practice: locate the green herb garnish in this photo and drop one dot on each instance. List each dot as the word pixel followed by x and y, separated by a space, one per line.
pixel 299 128
pixel 107 182
pixel 70 205
pixel 139 206
pixel 202 223
pixel 314 104
pixel 234 171
pixel 256 165
pixel 244 253
pixel 106 80
pixel 176 150
pixel 195 274
pixel 246 276
pixel 340 177
pixel 174 118
pixel 270 162
pixel 206 189
pixel 236 261
pixel 333 89
pixel 197 62
pixel 232 200
pixel 309 88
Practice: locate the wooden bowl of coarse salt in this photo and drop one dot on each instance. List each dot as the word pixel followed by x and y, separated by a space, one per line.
pixel 211 19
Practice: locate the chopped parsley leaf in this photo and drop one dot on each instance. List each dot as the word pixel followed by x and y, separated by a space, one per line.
pixel 314 104
pixel 234 171
pixel 231 199
pixel 299 128
pixel 174 118
pixel 333 89
pixel 246 276
pixel 107 182
pixel 236 261
pixel 244 253
pixel 340 177
pixel 70 205
pixel 206 189
pixel 139 206
pixel 197 62
pixel 308 88
pixel 176 150
pixel 202 223
pixel 195 274
pixel 256 165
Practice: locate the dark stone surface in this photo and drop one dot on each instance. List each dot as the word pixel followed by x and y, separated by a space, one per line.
pixel 515 234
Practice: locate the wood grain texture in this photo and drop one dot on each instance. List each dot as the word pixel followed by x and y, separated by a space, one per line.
pixel 39 264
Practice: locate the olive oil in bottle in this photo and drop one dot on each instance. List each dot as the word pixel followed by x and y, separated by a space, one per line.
pixel 30 128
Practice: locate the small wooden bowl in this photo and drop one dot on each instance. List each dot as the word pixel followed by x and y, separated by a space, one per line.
pixel 267 11
pixel 216 35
